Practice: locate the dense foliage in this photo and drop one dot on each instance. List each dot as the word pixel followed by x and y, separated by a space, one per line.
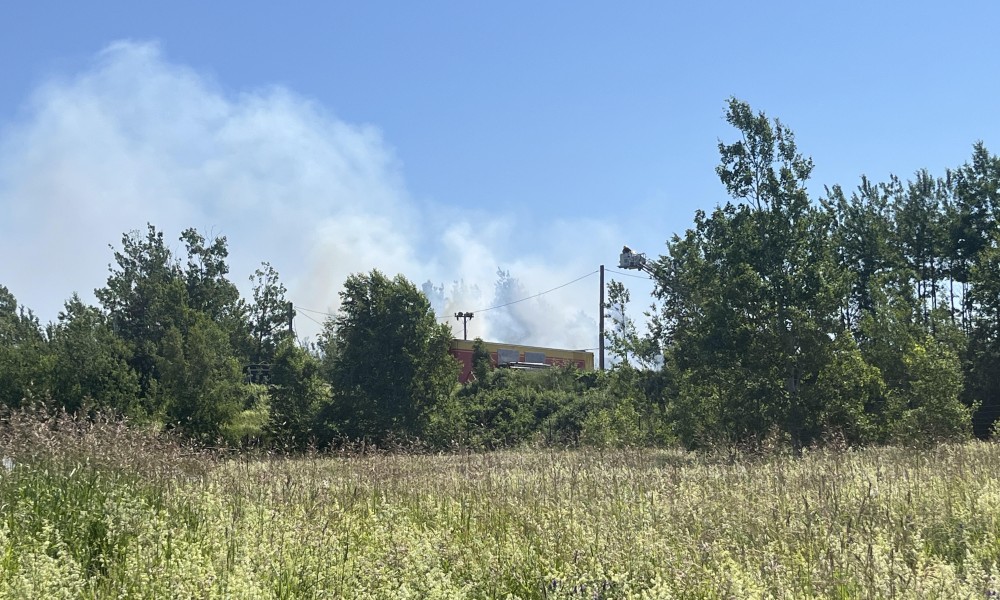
pixel 857 317
pixel 388 357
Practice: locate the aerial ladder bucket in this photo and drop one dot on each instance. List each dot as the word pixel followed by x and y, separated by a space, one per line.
pixel 633 260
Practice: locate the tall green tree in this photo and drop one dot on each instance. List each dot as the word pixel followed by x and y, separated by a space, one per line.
pixel 208 289
pixel 982 366
pixel 300 398
pixel 390 363
pixel 267 314
pixel 923 236
pixel 201 386
pixel 751 296
pixel 90 363
pixel 976 189
pixel 624 341
pixel 25 361
pixel 864 241
pixel 183 325
pixel 211 293
pixel 145 296
pixel 974 241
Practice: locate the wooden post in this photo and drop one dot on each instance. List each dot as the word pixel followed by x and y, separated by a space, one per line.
pixel 600 344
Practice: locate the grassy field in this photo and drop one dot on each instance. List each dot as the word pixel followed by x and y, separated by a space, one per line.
pixel 102 511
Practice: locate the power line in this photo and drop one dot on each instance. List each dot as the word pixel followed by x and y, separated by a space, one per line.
pixel 312 319
pixel 558 287
pixel 629 275
pixel 318 312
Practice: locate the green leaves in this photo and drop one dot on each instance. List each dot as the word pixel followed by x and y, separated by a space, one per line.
pixel 267 317
pixel 390 363
pixel 24 357
pixel 179 324
pixel 91 363
pixel 300 398
pixel 201 383
pixel 867 316
pixel 764 167
pixel 841 319
pixel 752 303
pixel 933 410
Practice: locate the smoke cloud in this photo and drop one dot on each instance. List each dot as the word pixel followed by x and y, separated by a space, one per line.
pixel 135 138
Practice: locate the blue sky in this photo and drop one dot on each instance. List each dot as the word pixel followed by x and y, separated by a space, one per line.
pixel 445 140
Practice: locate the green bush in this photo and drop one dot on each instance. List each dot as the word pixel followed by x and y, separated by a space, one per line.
pixel 934 412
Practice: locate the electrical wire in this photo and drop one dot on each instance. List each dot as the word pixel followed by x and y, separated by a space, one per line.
pixel 312 319
pixel 318 312
pixel 558 287
pixel 629 275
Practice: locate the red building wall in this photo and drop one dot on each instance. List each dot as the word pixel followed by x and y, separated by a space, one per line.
pixel 462 351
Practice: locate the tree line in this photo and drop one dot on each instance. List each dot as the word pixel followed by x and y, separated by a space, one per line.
pixel 868 315
pixel 862 316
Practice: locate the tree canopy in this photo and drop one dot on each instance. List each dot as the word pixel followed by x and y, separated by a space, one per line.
pixel 390 363
pixel 862 315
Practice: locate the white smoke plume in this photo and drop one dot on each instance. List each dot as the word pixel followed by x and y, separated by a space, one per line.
pixel 135 138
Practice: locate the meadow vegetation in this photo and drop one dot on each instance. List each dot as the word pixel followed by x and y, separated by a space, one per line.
pixel 94 509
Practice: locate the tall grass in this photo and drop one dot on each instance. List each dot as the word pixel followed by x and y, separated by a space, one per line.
pixel 101 510
pixel 69 491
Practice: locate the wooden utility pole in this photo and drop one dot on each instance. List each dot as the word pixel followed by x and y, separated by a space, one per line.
pixel 464 316
pixel 600 343
pixel 291 318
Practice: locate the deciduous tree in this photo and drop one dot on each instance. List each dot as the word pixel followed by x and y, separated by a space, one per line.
pixel 391 363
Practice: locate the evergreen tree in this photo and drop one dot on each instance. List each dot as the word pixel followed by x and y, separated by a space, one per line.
pixel 922 234
pixel 201 385
pixel 864 243
pixel 976 189
pixel 299 398
pixel 90 363
pixel 181 324
pixel 25 361
pixel 145 296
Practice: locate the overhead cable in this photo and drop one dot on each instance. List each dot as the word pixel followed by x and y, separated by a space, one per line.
pixel 312 319
pixel 558 287
pixel 629 275
pixel 318 312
